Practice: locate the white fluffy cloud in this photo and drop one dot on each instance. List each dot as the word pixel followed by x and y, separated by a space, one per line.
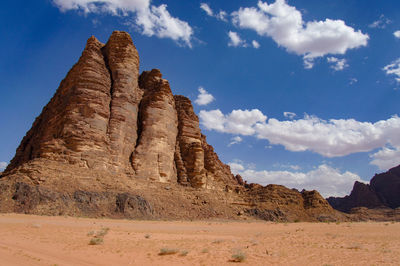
pixel 337 64
pixel 397 34
pixel 235 40
pixel 3 166
pixel 221 15
pixel 325 179
pixel 207 9
pixel 241 122
pixel 255 44
pixel 289 115
pixel 285 25
pixel 386 158
pixel 152 20
pixel 204 97
pixel 333 138
pixel 393 69
pixel 235 140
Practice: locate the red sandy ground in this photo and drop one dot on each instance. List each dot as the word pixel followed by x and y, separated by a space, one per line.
pixel 41 240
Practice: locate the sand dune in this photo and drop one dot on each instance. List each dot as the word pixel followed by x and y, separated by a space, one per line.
pixel 40 240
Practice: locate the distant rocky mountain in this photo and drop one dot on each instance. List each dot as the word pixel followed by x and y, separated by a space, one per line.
pixel 118 144
pixel 382 193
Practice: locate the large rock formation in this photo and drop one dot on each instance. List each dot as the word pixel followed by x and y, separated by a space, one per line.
pixel 113 143
pixel 382 192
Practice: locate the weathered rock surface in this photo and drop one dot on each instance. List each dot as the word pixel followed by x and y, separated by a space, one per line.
pixel 275 202
pixel 116 144
pixel 382 192
pixel 154 155
pixel 190 153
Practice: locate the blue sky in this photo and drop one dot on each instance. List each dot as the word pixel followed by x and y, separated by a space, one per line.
pixel 302 93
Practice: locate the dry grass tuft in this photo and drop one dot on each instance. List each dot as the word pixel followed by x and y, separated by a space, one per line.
pixel 96 241
pixel 238 256
pixel 168 251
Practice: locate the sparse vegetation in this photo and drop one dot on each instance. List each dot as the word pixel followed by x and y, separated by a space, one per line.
pixel 183 253
pixel 238 256
pixel 96 241
pixel 355 247
pixel 147 236
pixel 98 236
pixel 168 251
pixel 102 232
pixel 204 250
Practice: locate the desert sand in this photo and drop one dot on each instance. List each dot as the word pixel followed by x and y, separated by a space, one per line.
pixel 42 240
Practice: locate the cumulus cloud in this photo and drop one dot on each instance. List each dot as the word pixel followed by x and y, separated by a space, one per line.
pixel 204 97
pixel 337 64
pixel 397 34
pixel 333 138
pixel 3 166
pixel 393 69
pixel 289 115
pixel 255 44
pixel 235 140
pixel 380 23
pixel 325 179
pixel 152 20
pixel 221 15
pixel 285 25
pixel 235 40
pixel 386 158
pixel 243 122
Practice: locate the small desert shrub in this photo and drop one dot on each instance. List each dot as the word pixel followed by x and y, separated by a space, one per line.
pixel 355 246
pixel 204 250
pixel 102 232
pixel 238 256
pixel 168 251
pixel 96 241
pixel 147 236
pixel 98 236
pixel 254 242
pixel 183 253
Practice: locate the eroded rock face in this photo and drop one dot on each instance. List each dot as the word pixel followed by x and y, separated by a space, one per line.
pixel 158 124
pixel 190 159
pixel 275 202
pixel 387 187
pixel 122 60
pixel 72 127
pixel 92 118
